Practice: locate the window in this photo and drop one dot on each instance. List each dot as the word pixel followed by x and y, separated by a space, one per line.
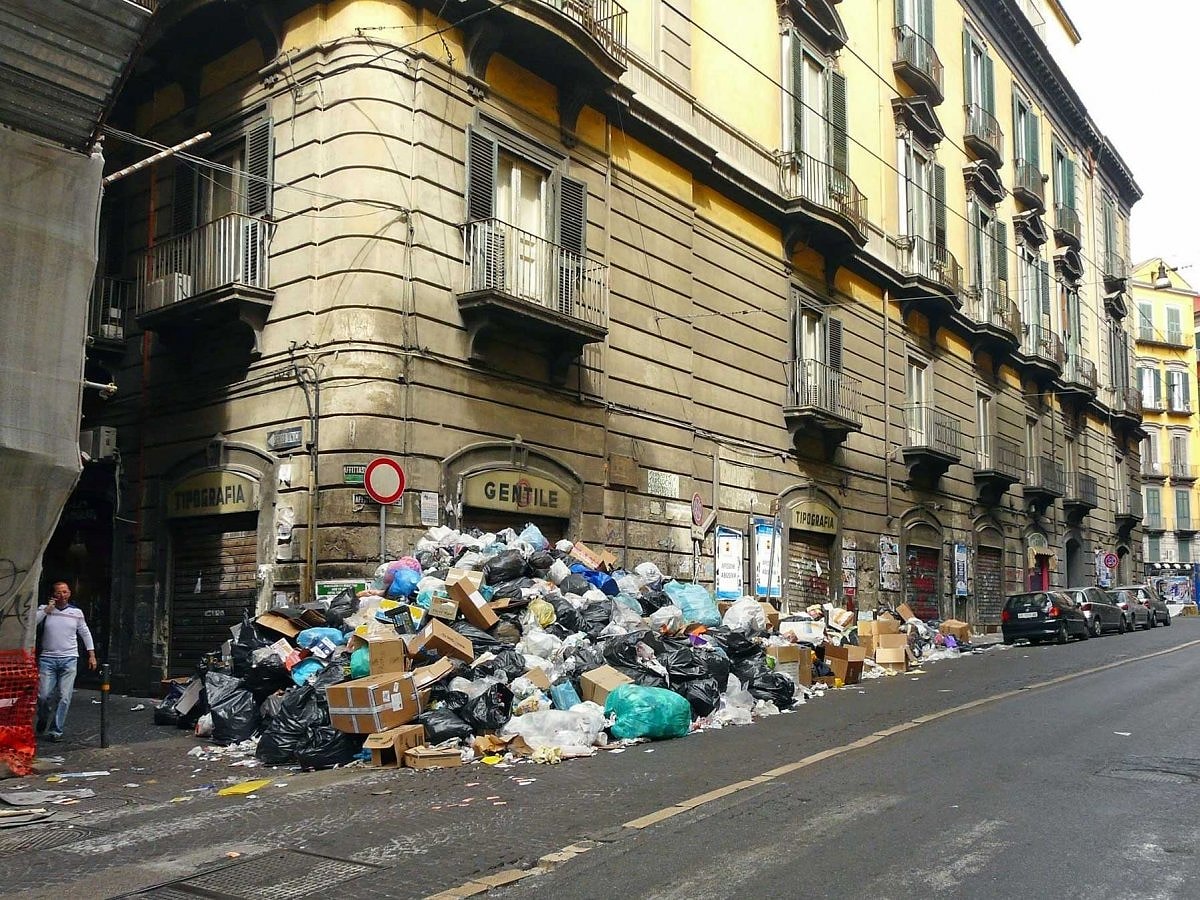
pixel 1151 459
pixel 1145 322
pixel 1153 548
pixel 979 79
pixel 1033 288
pixel 1109 207
pixel 1064 177
pixel 1120 483
pixel 1153 507
pixel 1185 548
pixel 1025 132
pixel 238 182
pixel 1179 454
pixel 1033 438
pixel 1150 382
pixel 817 351
pixel 817 97
pixel 916 387
pixel 1174 326
pixel 989 248
pixel 1072 320
pixel 1183 509
pixel 1118 357
pixel 917 15
pixel 983 428
pixel 1178 391
pixel 917 190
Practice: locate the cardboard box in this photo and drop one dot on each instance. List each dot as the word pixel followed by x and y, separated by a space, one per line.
pixel 768 609
pixel 279 623
pixel 375 703
pixel 878 626
pixel 387 747
pixel 428 676
pixel 891 642
pixel 842 618
pixel 905 612
pixel 386 652
pixel 894 659
pixel 601 561
pixel 445 608
pixel 430 758
pixel 846 662
pixel 438 639
pixel 959 630
pixel 538 678
pixel 597 684
pixel 475 579
pixel 471 603
pixel 794 661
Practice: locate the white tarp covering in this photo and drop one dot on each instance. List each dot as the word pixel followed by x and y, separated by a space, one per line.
pixel 49 207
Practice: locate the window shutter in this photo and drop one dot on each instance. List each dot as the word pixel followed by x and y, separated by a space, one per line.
pixel 572 237
pixel 967 92
pixel 1018 150
pixel 1158 387
pixel 989 85
pixel 1044 278
pixel 797 92
pixel 1001 252
pixel 183 205
pixel 1069 196
pixel 1034 154
pixel 939 205
pixel 259 169
pixel 927 20
pixel 838 138
pixel 900 9
pixel 833 344
pixel 482 162
pixel 1185 385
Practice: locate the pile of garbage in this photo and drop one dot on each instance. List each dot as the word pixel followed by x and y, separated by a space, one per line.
pixel 500 646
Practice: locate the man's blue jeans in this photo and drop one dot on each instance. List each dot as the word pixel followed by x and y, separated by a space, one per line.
pixel 56 676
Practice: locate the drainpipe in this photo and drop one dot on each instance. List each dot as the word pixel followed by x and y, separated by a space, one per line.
pixel 887 408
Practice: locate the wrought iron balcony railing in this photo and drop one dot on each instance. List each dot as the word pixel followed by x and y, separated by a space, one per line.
pixel 1042 343
pixel 928 428
pixel 112 299
pixel 1046 473
pixel 1080 370
pixel 915 54
pixel 1067 222
pixel 984 131
pixel 1154 521
pixel 604 20
pixel 805 177
pixel 1000 454
pixel 1130 399
pixel 923 258
pixel 1027 180
pixel 1083 488
pixel 992 306
pixel 814 385
pixel 1182 472
pixel 1115 266
pixel 519 264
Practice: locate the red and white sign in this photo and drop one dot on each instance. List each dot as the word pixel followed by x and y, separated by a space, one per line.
pixel 384 480
pixel 1110 560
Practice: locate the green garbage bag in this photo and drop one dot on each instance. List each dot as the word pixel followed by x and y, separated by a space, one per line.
pixel 360 662
pixel 647 712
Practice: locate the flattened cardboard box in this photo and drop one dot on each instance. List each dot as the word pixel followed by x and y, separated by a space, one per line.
pixel 375 703
pixel 794 661
pixel 538 678
pixel 445 608
pixel 281 624
pixel 471 604
pixel 601 562
pixel 431 758
pixel 439 639
pixel 387 747
pixel 597 684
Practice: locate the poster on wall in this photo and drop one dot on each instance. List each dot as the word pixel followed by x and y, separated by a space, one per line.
pixel 730 581
pixel 960 570
pixel 889 563
pixel 1103 569
pixel 849 568
pixel 768 561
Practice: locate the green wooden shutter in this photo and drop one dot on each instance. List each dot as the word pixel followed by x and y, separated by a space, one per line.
pixel 1044 292
pixel 572 237
pixel 1034 154
pixel 1069 194
pixel 838 137
pixel 833 344
pixel 989 85
pixel 968 93
pixel 183 203
pixel 1001 252
pixel 900 10
pixel 259 169
pixel 926 23
pixel 939 205
pixel 797 92
pixel 1018 150
pixel 482 162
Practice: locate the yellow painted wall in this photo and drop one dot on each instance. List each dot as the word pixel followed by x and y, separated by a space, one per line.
pixel 639 25
pixel 391 21
pixel 636 158
pixel 724 212
pixel 724 83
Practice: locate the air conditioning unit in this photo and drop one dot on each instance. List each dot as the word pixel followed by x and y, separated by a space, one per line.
pixel 171 288
pixel 99 442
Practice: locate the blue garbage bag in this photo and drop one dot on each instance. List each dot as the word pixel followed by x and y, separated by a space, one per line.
pixel 310 636
pixel 694 600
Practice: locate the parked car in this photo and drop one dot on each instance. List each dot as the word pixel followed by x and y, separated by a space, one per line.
pixel 1042 615
pixel 1125 597
pixel 1098 608
pixel 1146 596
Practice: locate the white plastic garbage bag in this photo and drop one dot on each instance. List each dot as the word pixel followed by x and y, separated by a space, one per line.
pixel 745 615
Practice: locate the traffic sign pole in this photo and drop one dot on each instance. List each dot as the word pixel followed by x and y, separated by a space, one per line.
pixel 382 534
pixel 384 482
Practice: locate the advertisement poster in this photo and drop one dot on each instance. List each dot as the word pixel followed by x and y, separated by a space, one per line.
pixel 768 567
pixel 849 568
pixel 889 563
pixel 960 570
pixel 730 582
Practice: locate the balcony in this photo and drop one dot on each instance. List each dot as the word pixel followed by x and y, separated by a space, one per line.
pixel 1081 497
pixel 934 276
pixel 1079 377
pixel 1153 470
pixel 1180 406
pixel 1029 186
pixel 997 321
pixel 999 464
pixel 1129 511
pixel 1186 525
pixel 1116 270
pixel 824 194
pixel 112 299
pixel 1126 406
pixel 1176 338
pixel 931 442
pixel 1045 482
pixel 1068 229
pixel 917 63
pixel 1153 403
pixel 983 135
pixel 213 275
pixel 1182 473
pixel 822 402
pixel 532 291
pixel 1043 352
pixel 1154 521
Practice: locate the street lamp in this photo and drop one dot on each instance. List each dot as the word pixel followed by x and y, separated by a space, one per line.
pixel 1162 280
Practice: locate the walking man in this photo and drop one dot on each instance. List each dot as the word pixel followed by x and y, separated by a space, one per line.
pixel 62 625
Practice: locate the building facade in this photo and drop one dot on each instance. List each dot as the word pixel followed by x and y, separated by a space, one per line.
pixel 1165 365
pixel 849 273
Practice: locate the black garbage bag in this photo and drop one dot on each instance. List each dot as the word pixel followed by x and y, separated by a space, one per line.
pixel 504 567
pixel 512 590
pixel 324 747
pixel 566 615
pixel 234 709
pixel 300 710
pixel 622 649
pixel 575 584
pixel 652 601
pixel 586 657
pixel 508 630
pixel 702 694
pixel 540 562
pixel 594 618
pixel 442 725
pixel 716 664
pixel 510 662
pixel 269 708
pixel 642 676
pixel 736 644
pixel 489 711
pixel 266 677
pixel 248 640
pixel 681 661
pixel 747 669
pixel 481 641
pixel 341 606
pixel 336 672
pixel 167 714
pixel 775 687
pixel 441 694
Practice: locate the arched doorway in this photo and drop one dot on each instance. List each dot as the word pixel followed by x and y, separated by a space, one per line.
pixel 1040 561
pixel 922 565
pixel 989 573
pixel 1076 564
pixel 812 566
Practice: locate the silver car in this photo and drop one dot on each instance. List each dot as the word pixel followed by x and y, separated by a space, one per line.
pixel 1128 598
pixel 1101 612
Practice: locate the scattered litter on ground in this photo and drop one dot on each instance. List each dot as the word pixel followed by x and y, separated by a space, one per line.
pixel 64 775
pixel 1124 733
pixel 243 788
pixel 37 797
pixel 137 708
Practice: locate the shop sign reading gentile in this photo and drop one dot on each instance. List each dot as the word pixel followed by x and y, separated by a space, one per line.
pixel 517 490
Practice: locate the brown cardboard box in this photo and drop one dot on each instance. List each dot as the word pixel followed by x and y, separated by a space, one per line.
pixel 439 639
pixel 842 618
pixel 601 561
pixel 444 608
pixel 846 662
pixel 794 661
pixel 386 652
pixel 281 624
pixel 597 684
pixel 879 626
pixel 960 631
pixel 894 659
pixel 905 612
pixel 471 603
pixel 375 703
pixel 539 678
pixel 891 642
pixel 430 758
pixel 428 676
pixel 470 575
pixel 387 747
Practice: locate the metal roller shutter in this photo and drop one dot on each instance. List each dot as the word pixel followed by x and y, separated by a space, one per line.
pixel 213 568
pixel 806 579
pixel 921 582
pixel 989 584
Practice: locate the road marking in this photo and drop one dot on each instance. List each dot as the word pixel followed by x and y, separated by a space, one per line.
pixel 554 860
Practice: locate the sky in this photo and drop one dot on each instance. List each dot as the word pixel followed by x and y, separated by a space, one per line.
pixel 1136 71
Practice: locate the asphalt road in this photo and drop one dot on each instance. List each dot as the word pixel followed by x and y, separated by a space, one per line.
pixel 934 799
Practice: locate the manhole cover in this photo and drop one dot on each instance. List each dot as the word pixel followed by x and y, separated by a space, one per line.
pixel 1163 770
pixel 41 838
pixel 281 875
pixel 167 893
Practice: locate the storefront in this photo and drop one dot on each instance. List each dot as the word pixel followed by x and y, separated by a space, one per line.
pixel 922 557
pixel 809 575
pixel 989 576
pixel 213 518
pixel 1040 560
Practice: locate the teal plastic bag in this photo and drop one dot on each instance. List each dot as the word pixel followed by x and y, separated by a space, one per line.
pixel 694 601
pixel 360 662
pixel 648 712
